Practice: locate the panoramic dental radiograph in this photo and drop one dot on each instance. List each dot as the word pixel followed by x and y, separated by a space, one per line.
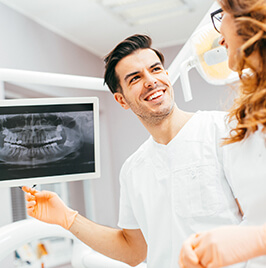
pixel 41 141
pixel 34 139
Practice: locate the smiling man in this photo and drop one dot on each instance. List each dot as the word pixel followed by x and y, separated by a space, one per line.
pixel 172 186
pixel 151 100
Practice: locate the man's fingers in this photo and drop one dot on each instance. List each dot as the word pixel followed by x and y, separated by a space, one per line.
pixel 29 197
pixel 27 189
pixel 30 204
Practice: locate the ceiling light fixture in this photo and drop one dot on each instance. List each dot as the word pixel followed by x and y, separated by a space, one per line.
pixel 139 12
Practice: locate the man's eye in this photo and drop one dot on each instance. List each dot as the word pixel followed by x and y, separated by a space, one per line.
pixel 134 79
pixel 156 69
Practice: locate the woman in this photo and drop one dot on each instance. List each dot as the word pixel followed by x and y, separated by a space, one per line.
pixel 242 24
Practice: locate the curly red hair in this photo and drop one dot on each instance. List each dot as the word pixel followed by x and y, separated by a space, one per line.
pixel 249 109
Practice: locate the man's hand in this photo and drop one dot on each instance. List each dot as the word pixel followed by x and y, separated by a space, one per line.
pixel 48 207
pixel 225 245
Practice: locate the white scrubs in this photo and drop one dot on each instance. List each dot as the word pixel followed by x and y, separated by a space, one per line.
pixel 170 191
pixel 245 168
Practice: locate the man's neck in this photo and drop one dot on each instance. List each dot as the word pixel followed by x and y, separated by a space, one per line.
pixel 166 129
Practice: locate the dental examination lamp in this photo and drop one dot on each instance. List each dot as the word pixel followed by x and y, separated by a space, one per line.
pixel 203 52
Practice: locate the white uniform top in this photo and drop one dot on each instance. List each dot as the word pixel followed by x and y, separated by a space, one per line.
pixel 170 191
pixel 245 168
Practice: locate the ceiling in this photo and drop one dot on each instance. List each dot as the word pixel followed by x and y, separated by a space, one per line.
pixel 98 25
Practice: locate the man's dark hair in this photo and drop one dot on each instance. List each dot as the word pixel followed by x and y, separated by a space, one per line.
pixel 123 49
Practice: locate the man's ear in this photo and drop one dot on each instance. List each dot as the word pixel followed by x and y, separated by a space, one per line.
pixel 121 100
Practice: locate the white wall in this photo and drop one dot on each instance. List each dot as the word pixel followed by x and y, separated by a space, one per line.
pixel 26 45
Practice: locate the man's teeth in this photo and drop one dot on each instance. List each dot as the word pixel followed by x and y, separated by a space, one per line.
pixel 155 95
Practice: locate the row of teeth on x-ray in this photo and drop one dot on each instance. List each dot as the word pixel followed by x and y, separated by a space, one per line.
pixel 33 137
pixel 15 151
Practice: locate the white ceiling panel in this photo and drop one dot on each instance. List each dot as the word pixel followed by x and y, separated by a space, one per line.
pixel 98 25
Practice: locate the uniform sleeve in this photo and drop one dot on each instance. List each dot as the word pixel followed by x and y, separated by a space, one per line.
pixel 127 218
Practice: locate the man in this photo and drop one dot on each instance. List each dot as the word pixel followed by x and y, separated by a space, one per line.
pixel 172 186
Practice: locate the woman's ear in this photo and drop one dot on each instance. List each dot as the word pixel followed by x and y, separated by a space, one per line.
pixel 121 100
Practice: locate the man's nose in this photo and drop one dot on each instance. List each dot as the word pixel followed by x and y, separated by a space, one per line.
pixel 150 81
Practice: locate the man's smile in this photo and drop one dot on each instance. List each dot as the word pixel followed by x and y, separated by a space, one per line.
pixel 154 95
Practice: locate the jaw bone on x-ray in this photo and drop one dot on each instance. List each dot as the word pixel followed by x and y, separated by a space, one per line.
pixel 33 139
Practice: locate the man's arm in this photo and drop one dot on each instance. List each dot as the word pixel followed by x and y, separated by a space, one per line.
pixel 126 245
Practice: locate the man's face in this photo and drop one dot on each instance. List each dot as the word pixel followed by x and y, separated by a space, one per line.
pixel 146 88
